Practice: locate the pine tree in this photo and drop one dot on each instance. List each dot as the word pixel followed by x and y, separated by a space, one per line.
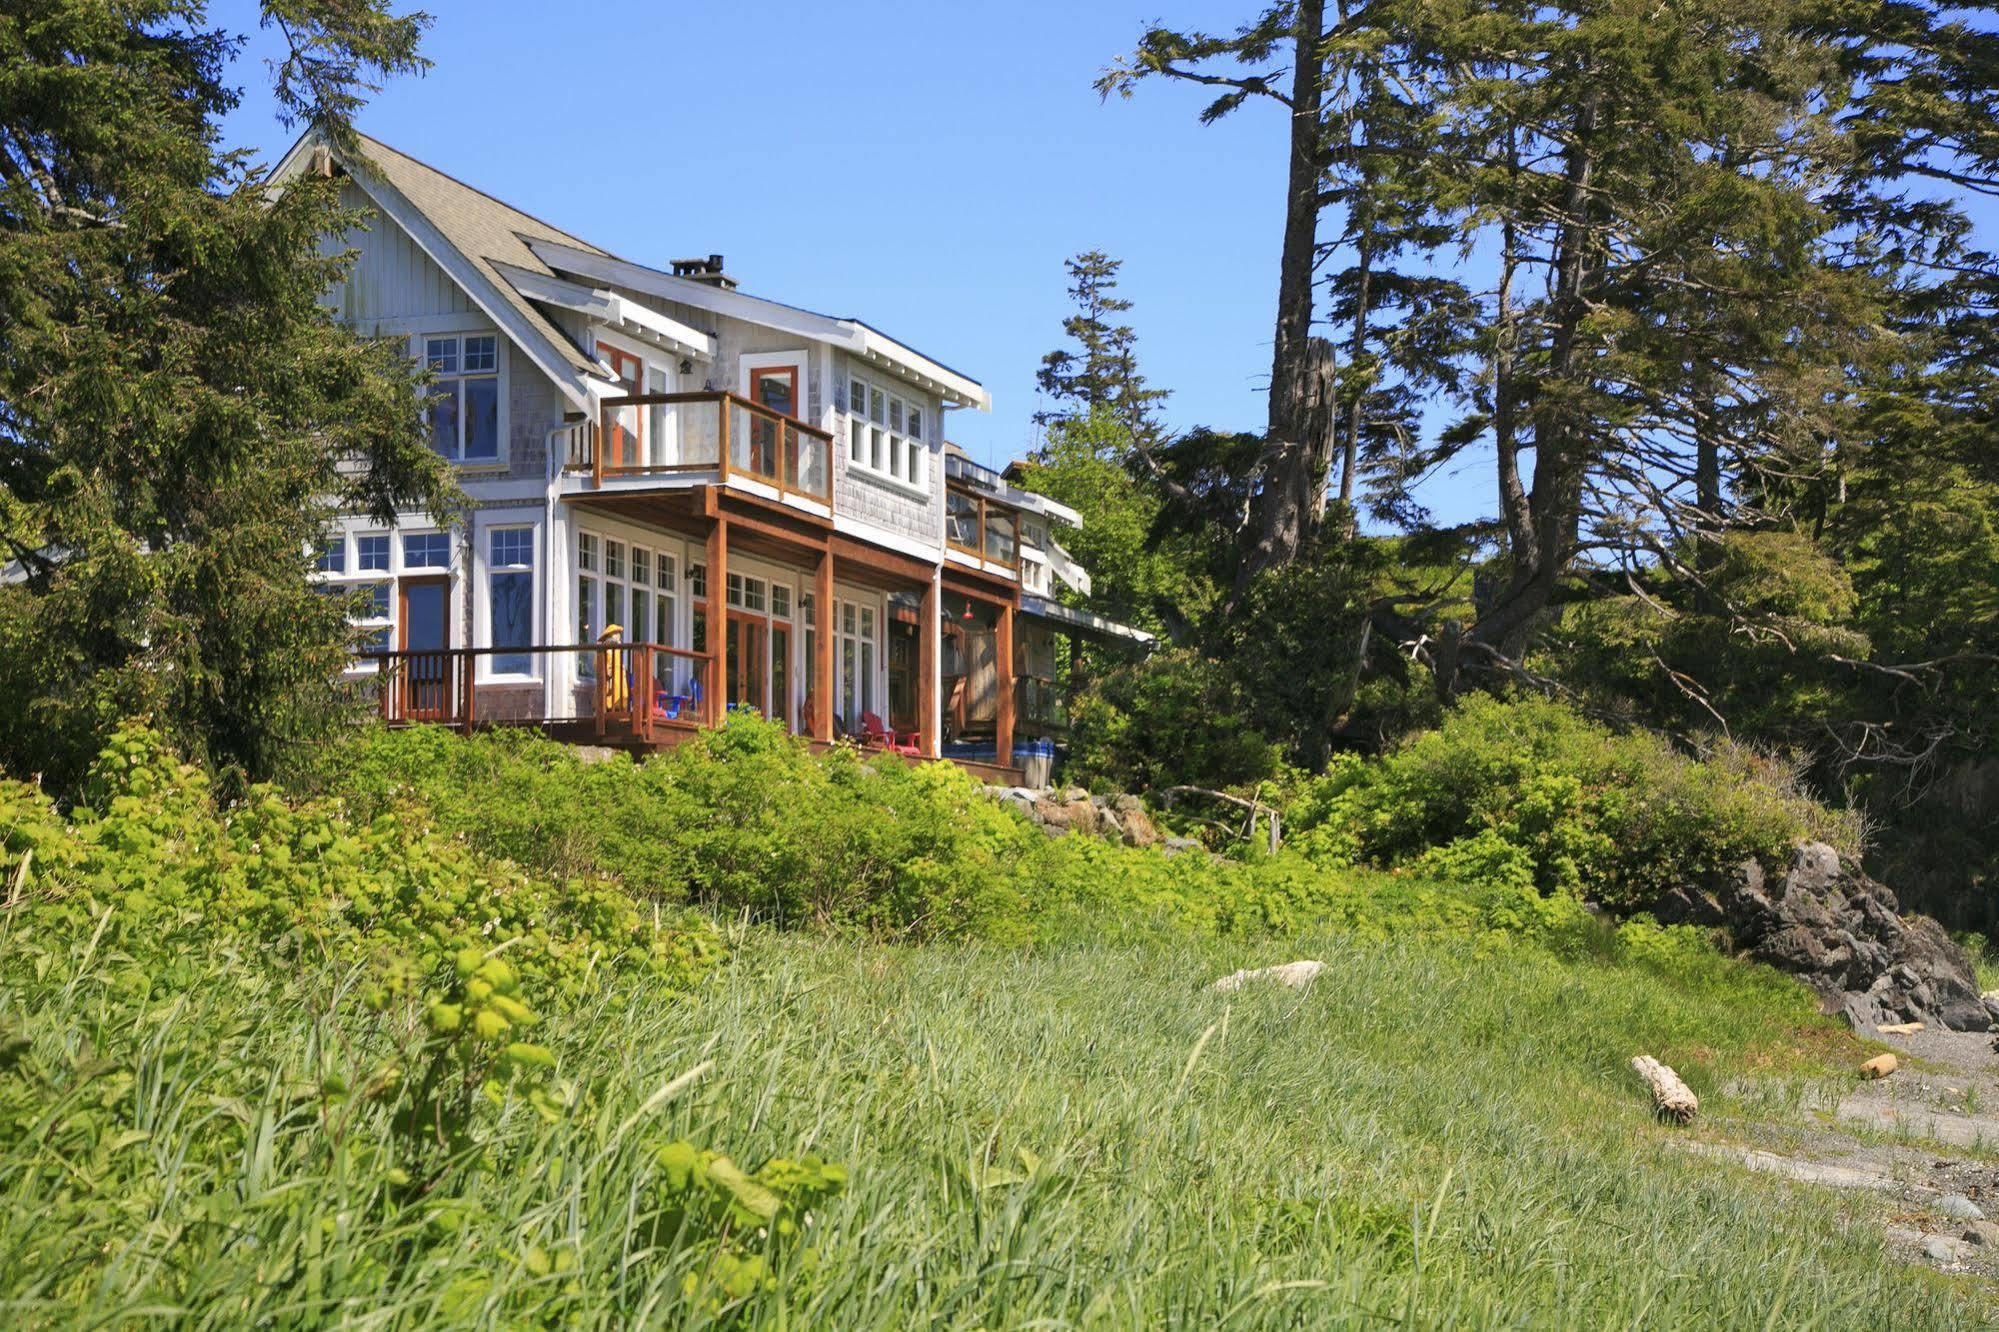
pixel 1101 375
pixel 179 414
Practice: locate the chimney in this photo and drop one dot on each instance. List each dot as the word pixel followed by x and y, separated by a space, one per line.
pixel 707 270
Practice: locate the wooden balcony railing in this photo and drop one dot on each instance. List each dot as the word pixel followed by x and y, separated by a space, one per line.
pixel 663 433
pixel 633 691
pixel 981 527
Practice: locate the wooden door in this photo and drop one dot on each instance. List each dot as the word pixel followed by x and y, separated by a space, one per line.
pixel 776 387
pixel 780 673
pixel 424 620
pixel 747 658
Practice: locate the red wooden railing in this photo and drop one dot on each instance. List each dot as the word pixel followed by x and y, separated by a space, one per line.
pixel 627 690
pixel 722 432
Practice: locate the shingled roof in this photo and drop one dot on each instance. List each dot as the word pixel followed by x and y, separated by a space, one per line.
pixel 482 229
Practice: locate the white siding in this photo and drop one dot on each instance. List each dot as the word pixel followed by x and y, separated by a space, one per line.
pixel 392 277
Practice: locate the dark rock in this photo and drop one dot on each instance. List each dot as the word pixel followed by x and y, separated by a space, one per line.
pixel 1841 933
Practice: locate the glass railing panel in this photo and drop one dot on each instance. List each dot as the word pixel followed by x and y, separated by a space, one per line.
pixel 698 434
pixel 1000 536
pixel 814 467
pixel 961 520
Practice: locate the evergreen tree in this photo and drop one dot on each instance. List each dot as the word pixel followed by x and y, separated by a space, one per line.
pixel 179 414
pixel 1101 375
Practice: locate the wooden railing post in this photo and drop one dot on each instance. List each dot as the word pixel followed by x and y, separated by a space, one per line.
pixel 470 665
pixel 597 450
pixel 718 619
pixel 1003 723
pixel 722 435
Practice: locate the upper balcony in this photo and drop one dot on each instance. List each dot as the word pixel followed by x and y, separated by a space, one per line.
pixel 704 438
pixel 982 530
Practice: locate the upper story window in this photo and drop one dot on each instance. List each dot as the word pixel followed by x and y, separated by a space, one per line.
pixel 465 396
pixel 885 433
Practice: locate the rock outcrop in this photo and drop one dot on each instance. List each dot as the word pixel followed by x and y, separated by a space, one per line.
pixel 1843 934
pixel 1115 818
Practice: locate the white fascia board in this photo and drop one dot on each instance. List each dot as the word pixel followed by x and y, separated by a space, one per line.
pixel 610 309
pixel 885 350
pixel 881 536
pixel 1065 567
pixel 476 285
pixel 849 335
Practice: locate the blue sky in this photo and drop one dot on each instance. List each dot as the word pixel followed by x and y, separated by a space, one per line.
pixel 926 167
pixel 923 166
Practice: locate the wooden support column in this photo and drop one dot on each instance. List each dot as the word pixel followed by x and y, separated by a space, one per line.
pixel 718 621
pixel 1003 650
pixel 822 656
pixel 929 654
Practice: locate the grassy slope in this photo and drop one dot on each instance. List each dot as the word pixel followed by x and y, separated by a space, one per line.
pixel 1426 1134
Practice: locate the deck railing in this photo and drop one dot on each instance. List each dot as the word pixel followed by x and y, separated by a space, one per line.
pixel 631 691
pixel 664 433
pixel 983 528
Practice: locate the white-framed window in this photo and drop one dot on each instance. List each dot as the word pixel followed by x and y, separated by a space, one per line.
pixel 748 593
pixel 426 550
pixel 885 433
pixel 366 564
pixel 636 587
pixel 510 598
pixel 464 395
pixel 856 650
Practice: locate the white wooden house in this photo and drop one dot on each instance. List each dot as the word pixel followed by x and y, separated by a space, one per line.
pixel 683 498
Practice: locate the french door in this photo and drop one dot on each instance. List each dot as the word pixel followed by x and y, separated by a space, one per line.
pixel 749 655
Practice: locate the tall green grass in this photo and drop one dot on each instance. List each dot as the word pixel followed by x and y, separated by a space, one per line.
pixel 1075 1135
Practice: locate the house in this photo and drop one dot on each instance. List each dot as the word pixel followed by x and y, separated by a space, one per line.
pixel 683 498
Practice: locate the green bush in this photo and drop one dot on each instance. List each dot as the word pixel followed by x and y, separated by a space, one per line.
pixel 1513 792
pixel 746 820
pixel 412 977
pixel 1176 717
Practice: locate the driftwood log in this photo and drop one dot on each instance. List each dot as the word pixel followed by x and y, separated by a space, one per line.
pixel 1671 1098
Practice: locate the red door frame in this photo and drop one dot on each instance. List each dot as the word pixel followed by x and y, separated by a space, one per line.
pixel 426 677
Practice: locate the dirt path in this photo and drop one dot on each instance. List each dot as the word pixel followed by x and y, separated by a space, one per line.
pixel 1926 1137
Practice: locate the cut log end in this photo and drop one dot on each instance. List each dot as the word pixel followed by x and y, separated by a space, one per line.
pixel 1672 1099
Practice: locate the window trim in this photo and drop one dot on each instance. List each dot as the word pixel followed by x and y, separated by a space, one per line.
pixel 486 525
pixel 419 343
pixel 912 448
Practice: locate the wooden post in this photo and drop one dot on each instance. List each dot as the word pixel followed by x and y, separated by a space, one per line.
pixel 929 637
pixel 822 666
pixel 722 441
pixel 1003 666
pixel 597 449
pixel 718 615
pixel 470 665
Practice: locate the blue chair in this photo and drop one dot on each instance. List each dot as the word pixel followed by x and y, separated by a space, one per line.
pixel 669 707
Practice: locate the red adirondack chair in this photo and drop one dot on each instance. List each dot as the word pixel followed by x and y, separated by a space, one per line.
pixel 874 733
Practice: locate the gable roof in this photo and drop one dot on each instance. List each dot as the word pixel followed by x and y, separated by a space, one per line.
pixel 483 229
pixel 468 233
pixel 489 247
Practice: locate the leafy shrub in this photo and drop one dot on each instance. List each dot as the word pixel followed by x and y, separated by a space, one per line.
pixel 1176 717
pixel 422 971
pixel 1503 790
